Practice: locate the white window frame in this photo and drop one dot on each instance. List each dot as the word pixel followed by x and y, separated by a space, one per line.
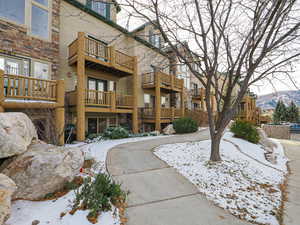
pixel 15 22
pixel 48 8
pixel 28 16
pixel 18 60
pixel 43 62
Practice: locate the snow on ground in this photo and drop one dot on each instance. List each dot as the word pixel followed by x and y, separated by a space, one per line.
pixel 48 212
pixel 248 187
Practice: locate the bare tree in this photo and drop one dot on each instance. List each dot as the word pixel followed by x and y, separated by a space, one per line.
pixel 237 42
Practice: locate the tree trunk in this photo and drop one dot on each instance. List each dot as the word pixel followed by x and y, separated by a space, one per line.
pixel 215 147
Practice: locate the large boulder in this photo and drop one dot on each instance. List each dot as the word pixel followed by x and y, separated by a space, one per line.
pixel 16 133
pixel 7 188
pixel 43 169
pixel 168 130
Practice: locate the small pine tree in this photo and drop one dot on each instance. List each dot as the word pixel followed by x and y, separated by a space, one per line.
pixel 280 113
pixel 292 113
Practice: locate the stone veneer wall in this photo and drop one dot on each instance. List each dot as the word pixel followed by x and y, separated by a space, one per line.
pixel 15 41
pixel 277 131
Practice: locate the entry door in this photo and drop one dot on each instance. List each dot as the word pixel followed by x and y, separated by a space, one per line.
pixel 92 125
pixel 97 88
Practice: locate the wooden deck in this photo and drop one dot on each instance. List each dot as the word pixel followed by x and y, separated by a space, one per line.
pixel 28 92
pixel 167 115
pixel 165 81
pixel 104 101
pixel 99 55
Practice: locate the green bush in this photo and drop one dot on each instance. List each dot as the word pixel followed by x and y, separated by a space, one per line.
pixel 245 130
pixel 185 125
pixel 116 133
pixel 97 195
pixel 92 136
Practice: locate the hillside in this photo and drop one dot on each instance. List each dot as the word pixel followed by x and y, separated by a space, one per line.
pixel 269 101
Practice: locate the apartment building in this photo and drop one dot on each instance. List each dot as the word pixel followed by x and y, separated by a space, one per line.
pixel 29 63
pixel 113 76
pixel 52 50
pixel 248 111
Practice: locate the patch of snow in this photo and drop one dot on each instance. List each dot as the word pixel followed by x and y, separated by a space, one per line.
pixel 248 187
pixel 48 212
pixel 27 101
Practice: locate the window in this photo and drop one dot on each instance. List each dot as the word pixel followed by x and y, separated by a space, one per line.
pixel 14 66
pixel 13 10
pixel 154 39
pixel 100 7
pixel 112 86
pixel 147 100
pixel 97 84
pixel 42 2
pixel 163 101
pixel 41 70
pixel 39 22
pixel 32 13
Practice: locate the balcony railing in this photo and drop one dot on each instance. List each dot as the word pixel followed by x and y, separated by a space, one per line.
pixel 29 89
pixel 124 101
pixel 106 55
pixel 165 80
pixel 106 99
pixel 165 113
pixel 198 93
pixel 100 98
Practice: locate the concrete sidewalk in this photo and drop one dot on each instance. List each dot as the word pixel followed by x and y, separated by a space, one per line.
pixel 292 206
pixel 158 194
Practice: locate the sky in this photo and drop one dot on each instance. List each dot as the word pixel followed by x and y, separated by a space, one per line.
pixel 282 83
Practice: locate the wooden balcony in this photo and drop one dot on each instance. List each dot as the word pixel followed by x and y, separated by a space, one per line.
pixel 198 93
pixel 165 81
pixel 27 92
pixel 104 101
pixel 166 114
pixel 99 55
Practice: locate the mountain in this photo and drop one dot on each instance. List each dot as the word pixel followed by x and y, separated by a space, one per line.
pixel 269 101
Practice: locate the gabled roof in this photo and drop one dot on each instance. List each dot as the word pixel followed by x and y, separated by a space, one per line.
pixel 84 8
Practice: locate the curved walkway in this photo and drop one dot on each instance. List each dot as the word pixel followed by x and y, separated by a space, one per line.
pixel 158 194
pixel 292 205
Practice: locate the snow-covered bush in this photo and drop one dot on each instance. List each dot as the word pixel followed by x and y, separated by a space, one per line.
pixel 185 125
pixel 115 133
pixel 245 130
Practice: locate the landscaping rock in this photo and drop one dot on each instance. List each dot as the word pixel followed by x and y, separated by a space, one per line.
pixel 7 188
pixel 268 146
pixel 265 141
pixel 43 169
pixel 168 130
pixel 155 133
pixel 16 133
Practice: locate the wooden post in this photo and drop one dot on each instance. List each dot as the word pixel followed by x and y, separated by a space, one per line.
pixel 60 93
pixel 1 90
pixel 81 86
pixel 172 113
pixel 182 99
pixel 135 125
pixel 60 124
pixel 172 81
pixel 202 94
pixel 113 100
pixel 60 112
pixel 157 100
pixel 112 55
